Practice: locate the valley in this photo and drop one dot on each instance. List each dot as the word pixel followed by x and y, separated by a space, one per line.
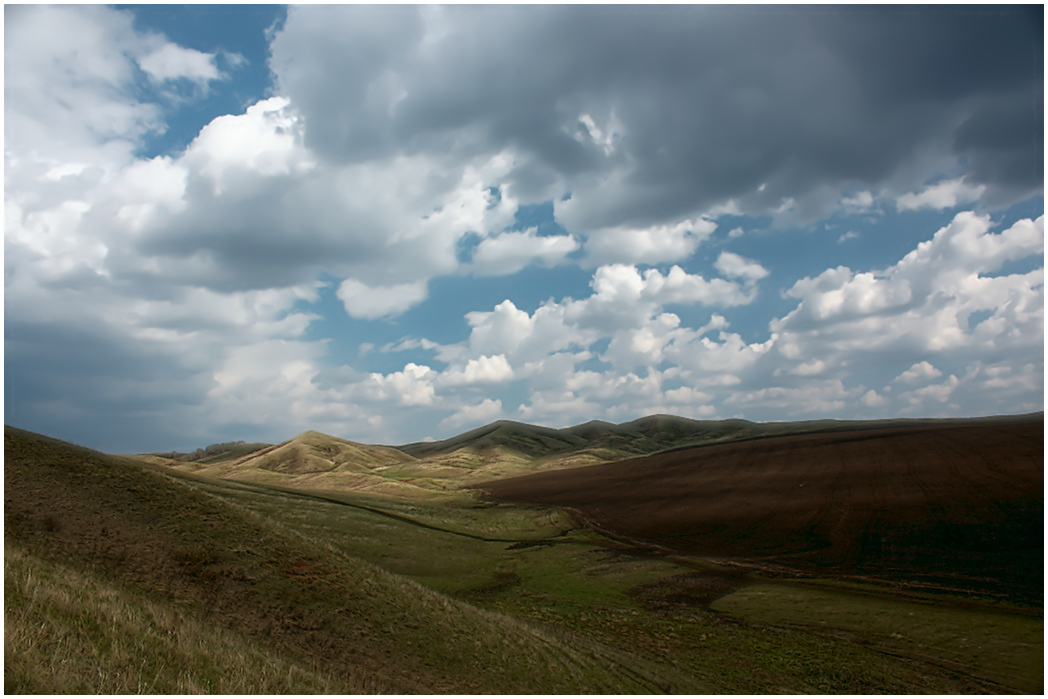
pixel 663 555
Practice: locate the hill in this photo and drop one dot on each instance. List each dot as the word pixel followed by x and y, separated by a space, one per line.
pixel 213 453
pixel 120 578
pixel 315 452
pixel 506 449
pixel 956 503
pixel 311 461
pixel 645 435
pixel 531 441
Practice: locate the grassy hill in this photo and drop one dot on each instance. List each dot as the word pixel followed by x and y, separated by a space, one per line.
pixel 645 435
pixel 313 461
pixel 123 579
pixel 425 470
pixel 346 568
pixel 529 440
pixel 315 452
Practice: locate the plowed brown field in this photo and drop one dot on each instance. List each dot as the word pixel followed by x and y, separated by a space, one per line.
pixel 953 503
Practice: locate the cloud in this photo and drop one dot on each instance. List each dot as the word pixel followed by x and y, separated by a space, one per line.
pixel 935 393
pixel 731 265
pixel 254 208
pixel 623 291
pixel 625 307
pixel 920 308
pixel 261 142
pixel 860 201
pixel 413 386
pixel 918 372
pixel 850 235
pixel 519 336
pixel 835 115
pixel 651 245
pixel 1003 142
pixel 486 411
pixel 91 111
pixel 483 370
pixel 371 302
pixel 873 400
pixel 944 195
pixel 172 62
pixel 178 293
pixel 828 397
pixel 929 291
pixel 511 252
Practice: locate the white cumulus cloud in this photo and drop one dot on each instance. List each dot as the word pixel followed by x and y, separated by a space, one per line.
pixel 731 265
pixel 944 195
pixel 511 252
pixel 371 302
pixel 483 370
pixel 918 372
pixel 488 410
pixel 652 245
pixel 172 62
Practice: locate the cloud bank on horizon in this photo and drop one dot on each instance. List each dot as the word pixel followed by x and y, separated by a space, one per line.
pixel 391 223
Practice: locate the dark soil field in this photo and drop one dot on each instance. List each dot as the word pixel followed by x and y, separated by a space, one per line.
pixel 954 505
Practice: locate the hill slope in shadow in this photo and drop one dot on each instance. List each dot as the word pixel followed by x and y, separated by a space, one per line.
pixel 176 557
pixel 951 502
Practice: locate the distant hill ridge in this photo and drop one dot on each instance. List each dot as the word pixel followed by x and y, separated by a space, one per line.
pixel 314 450
pixel 502 449
pixel 644 435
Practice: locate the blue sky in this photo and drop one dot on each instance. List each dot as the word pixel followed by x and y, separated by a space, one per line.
pixel 394 223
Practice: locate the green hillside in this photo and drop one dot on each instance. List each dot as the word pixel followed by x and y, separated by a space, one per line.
pixel 111 558
pixel 600 441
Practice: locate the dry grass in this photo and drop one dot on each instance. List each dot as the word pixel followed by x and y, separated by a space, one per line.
pixel 123 580
pixel 69 631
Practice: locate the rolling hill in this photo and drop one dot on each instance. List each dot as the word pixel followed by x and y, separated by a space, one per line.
pixel 531 441
pixel 120 578
pixel 155 576
pixel 950 502
pixel 506 448
pixel 312 461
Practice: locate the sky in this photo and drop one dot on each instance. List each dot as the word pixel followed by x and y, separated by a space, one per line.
pixel 398 223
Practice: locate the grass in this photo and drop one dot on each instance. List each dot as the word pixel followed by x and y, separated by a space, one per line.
pixel 593 591
pixel 68 631
pixel 289 595
pixel 124 578
pixel 1004 648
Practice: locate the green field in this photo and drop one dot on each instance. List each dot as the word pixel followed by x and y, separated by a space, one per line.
pixel 1006 648
pixel 654 608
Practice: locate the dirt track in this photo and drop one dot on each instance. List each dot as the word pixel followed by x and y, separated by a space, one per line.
pixel 956 504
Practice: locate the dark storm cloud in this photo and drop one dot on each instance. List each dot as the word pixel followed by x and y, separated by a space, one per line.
pixel 106 392
pixel 713 101
pixel 1004 142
